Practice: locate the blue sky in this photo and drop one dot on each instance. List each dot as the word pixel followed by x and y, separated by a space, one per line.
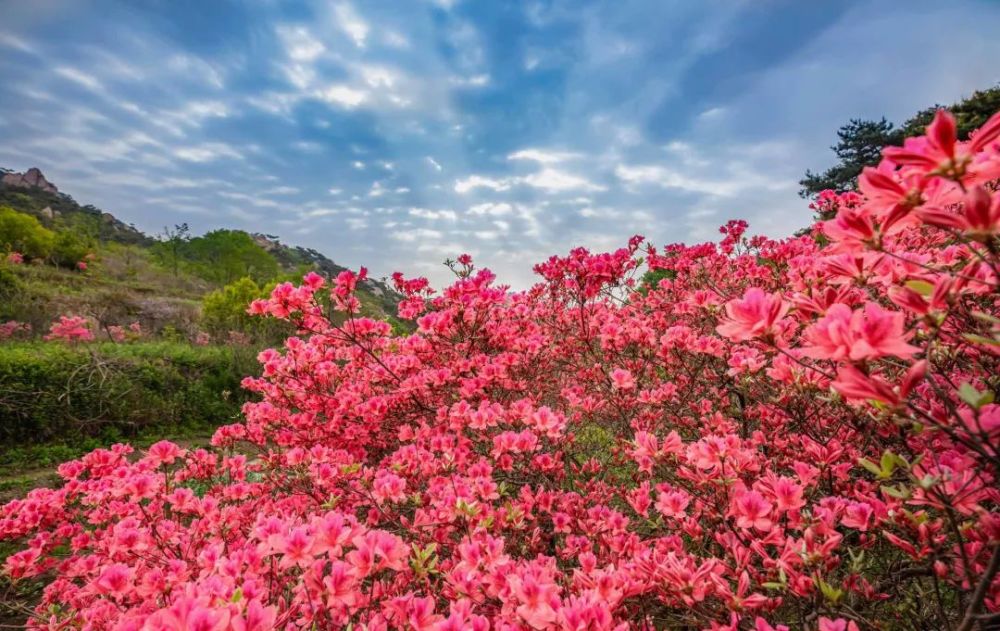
pixel 395 134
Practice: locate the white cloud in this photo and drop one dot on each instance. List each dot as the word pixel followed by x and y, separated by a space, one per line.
pixel 379 76
pixel 11 41
pixel 434 163
pixel 343 95
pixel 416 234
pixel 78 76
pixel 351 23
pixel 492 209
pixel 281 190
pixel 299 43
pixel 548 179
pixel 543 156
pixel 473 182
pixel 427 213
pixel 554 181
pixel 207 152
pixel 474 81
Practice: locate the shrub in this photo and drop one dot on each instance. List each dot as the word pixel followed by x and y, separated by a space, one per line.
pixel 24 234
pixel 54 392
pixel 71 329
pixel 798 432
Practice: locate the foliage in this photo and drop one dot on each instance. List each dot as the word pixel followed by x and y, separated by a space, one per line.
pixel 225 310
pixel 69 248
pixel 860 141
pixel 51 391
pixel 24 234
pixel 788 433
pixel 220 256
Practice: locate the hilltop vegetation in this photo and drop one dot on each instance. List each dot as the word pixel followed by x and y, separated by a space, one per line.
pixel 860 141
pixel 82 260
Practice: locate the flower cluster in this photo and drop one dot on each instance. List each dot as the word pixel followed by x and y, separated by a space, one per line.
pixel 777 434
pixel 120 334
pixel 71 328
pixel 14 329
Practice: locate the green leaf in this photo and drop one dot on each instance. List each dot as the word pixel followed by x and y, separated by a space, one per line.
pixel 922 287
pixel 979 339
pixel 871 466
pixel 973 397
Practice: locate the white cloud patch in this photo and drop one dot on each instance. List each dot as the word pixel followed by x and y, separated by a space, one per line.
pixel 556 181
pixel 351 23
pixel 343 95
pixel 78 76
pixel 208 152
pixel 300 45
pixel 472 182
pixel 544 156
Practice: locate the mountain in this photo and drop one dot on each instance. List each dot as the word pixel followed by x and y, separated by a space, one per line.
pixel 32 178
pixel 32 193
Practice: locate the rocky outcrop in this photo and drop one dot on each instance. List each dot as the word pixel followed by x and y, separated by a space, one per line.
pixel 32 178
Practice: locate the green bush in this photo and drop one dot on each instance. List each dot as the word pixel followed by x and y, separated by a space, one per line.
pixel 69 248
pixel 25 234
pixel 50 392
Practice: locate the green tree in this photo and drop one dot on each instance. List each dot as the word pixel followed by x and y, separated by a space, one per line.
pixel 25 234
pixel 69 248
pixel 223 256
pixel 860 145
pixel 225 310
pixel 861 141
pixel 173 240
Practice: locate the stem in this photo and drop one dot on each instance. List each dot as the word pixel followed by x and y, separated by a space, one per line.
pixel 977 597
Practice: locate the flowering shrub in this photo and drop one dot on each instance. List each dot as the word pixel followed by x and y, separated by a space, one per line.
pixel 13 329
pixel 120 334
pixel 15 258
pixel 71 329
pixel 778 434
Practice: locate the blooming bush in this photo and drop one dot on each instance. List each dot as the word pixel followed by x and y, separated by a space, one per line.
pixel 120 334
pixel 14 329
pixel 15 258
pixel 777 434
pixel 71 328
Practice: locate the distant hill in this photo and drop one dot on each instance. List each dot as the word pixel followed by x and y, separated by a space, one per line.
pixel 140 266
pixel 32 193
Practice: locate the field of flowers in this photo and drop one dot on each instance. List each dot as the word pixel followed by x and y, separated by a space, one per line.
pixel 793 434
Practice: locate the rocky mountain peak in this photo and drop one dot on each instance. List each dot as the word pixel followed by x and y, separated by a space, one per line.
pixel 32 178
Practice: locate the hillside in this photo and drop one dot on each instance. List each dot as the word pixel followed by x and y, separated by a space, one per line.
pixel 159 281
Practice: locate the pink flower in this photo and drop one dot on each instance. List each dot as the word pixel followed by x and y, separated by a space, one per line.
pixel 751 511
pixel 71 329
pixel 622 379
pixel 857 515
pixel 753 315
pixel 979 218
pixel 840 624
pixel 164 452
pixel 673 504
pixel 864 334
pixel 538 600
pixel 256 617
pixel 114 579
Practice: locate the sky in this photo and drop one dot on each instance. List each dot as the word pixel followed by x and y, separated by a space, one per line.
pixel 395 134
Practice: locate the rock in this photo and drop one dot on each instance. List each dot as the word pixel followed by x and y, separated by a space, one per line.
pixel 48 213
pixel 32 178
